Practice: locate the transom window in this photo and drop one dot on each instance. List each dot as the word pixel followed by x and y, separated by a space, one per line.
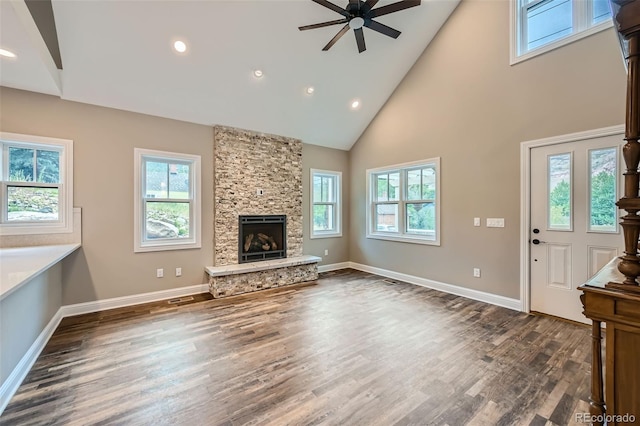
pixel 325 204
pixel 403 202
pixel 167 212
pixel 542 25
pixel 37 179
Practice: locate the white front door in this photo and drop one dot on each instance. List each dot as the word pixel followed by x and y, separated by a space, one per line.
pixel 574 221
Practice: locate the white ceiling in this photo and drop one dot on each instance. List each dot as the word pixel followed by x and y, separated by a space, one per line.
pixel 119 54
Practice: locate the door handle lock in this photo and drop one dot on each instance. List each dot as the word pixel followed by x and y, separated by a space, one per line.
pixel 537 241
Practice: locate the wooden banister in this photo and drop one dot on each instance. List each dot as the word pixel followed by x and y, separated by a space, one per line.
pixel 627 21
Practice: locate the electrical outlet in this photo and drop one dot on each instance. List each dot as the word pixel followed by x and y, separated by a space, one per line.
pixel 476 221
pixel 326 252
pixel 159 273
pixel 476 272
pixel 178 272
pixel 259 191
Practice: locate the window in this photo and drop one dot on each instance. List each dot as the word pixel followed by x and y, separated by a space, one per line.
pixel 403 202
pixel 603 191
pixel 560 206
pixel 37 185
pixel 539 26
pixel 167 201
pixel 325 204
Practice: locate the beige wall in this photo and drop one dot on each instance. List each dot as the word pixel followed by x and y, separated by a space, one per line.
pixel 104 139
pixel 463 102
pixel 317 157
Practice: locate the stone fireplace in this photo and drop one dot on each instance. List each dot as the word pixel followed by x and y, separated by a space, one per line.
pixel 257 174
pixel 262 237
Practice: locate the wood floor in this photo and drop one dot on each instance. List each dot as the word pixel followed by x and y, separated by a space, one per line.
pixel 355 349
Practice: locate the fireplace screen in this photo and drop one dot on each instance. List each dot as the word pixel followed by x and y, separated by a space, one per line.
pixel 262 238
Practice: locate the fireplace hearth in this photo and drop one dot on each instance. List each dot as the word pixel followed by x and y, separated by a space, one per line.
pixel 262 237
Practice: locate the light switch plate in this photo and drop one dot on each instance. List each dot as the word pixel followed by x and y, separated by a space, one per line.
pixel 495 222
pixel 476 221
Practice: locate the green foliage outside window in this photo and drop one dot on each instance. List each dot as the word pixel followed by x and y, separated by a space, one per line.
pixel 21 165
pixel 421 217
pixel 603 194
pixel 560 204
pixel 603 208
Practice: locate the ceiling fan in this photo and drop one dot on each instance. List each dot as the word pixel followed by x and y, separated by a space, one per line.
pixel 360 14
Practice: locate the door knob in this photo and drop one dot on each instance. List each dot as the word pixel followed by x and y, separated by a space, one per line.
pixel 537 241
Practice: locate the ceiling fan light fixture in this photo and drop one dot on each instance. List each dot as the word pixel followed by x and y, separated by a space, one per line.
pixel 309 90
pixel 258 73
pixel 7 53
pixel 356 23
pixel 180 46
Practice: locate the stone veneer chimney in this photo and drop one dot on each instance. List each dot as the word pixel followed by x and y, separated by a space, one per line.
pixel 245 162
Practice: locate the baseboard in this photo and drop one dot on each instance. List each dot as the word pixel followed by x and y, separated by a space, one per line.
pixel 481 296
pixel 136 299
pixel 333 266
pixel 17 376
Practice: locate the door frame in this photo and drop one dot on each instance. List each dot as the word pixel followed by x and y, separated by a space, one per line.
pixel 525 197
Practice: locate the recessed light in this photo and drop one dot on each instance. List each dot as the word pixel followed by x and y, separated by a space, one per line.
pixel 7 53
pixel 180 46
pixel 309 90
pixel 258 73
pixel 355 104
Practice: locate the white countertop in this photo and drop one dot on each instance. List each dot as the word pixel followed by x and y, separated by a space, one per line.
pixel 18 265
pixel 243 268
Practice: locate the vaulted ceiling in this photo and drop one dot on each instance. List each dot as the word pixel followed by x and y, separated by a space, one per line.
pixel 120 54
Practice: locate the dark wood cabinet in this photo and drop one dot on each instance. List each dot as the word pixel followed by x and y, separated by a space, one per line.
pixel 619 393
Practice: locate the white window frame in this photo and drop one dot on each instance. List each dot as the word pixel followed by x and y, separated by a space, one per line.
pixel 401 235
pixel 337 204
pixel 582 27
pixel 64 224
pixel 194 241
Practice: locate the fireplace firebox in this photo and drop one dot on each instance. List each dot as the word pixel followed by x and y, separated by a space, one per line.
pixel 262 238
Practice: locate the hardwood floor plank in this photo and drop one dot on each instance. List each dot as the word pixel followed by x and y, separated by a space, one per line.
pixel 353 349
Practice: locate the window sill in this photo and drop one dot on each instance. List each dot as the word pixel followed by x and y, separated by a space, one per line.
pixel 327 235
pixel 167 247
pixel 515 58
pixel 404 239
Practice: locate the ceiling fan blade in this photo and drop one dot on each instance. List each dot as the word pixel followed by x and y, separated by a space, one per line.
pixel 336 37
pixel 381 28
pixel 333 7
pixel 360 40
pixel 323 24
pixel 368 5
pixel 394 7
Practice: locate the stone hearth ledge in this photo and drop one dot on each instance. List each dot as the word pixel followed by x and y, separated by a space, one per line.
pixel 243 268
pixel 230 280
